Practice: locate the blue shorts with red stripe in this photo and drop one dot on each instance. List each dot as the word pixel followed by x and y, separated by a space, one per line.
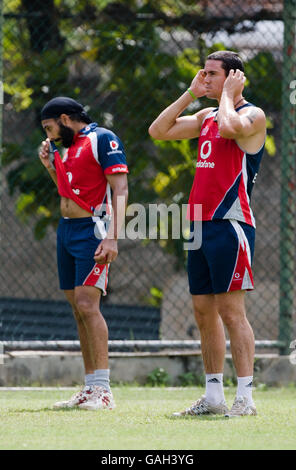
pixel 223 261
pixel 77 241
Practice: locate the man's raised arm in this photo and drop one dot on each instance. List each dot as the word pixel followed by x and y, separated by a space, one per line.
pixel 169 126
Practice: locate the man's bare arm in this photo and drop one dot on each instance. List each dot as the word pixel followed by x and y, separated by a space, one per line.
pixel 107 250
pixel 119 186
pixel 170 126
pixel 245 123
pixel 233 124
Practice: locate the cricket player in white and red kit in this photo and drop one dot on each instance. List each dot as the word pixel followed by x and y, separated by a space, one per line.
pixel 230 147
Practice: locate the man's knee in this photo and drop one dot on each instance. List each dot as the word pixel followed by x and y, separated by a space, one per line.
pixel 231 308
pixel 232 315
pixel 85 308
pixel 201 316
pixel 70 296
pixel 205 310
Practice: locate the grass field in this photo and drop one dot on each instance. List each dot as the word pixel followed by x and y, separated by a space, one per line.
pixel 142 421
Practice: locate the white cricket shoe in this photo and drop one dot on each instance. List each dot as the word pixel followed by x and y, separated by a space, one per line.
pixel 78 398
pixel 240 407
pixel 100 399
pixel 202 407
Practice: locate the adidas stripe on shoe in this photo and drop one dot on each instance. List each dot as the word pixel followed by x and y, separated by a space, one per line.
pixel 202 407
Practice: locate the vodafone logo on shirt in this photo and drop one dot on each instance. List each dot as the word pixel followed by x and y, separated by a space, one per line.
pixel 205 152
pixel 114 145
pixel 205 149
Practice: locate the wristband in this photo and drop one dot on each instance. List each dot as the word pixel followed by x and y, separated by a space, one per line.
pixel 192 94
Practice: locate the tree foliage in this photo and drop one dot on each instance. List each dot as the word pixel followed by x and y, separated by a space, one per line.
pixel 125 61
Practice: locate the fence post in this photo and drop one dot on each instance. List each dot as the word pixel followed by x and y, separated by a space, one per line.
pixel 288 172
pixel 1 82
pixel 1 126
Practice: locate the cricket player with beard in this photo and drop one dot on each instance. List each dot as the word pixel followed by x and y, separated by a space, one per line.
pixel 92 183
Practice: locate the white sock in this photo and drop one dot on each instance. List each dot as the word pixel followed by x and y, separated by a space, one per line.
pixel 102 378
pixel 214 388
pixel 244 388
pixel 89 379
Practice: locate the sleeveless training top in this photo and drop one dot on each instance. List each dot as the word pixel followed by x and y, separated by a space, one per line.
pixel 225 176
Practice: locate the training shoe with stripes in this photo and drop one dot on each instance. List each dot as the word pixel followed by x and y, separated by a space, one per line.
pixel 78 398
pixel 100 399
pixel 202 407
pixel 240 407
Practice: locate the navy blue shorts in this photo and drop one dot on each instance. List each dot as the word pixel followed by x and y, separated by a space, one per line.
pixel 223 261
pixel 76 246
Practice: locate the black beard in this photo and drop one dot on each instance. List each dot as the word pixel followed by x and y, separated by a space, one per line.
pixel 66 135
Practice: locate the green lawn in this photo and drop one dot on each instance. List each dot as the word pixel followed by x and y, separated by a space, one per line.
pixel 142 421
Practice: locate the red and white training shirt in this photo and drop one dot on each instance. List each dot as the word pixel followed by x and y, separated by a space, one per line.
pixel 224 177
pixel 95 153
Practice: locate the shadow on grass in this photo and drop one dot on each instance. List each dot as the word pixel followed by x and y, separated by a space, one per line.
pixel 197 418
pixel 45 409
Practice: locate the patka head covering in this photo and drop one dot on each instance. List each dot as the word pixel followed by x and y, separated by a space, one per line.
pixel 63 105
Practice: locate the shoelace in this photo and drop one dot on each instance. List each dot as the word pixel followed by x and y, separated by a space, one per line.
pixel 76 395
pixel 99 392
pixel 82 393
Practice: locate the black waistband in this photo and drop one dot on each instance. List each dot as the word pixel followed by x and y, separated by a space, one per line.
pixel 76 220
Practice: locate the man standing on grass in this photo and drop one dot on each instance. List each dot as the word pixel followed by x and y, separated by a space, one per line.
pixel 230 148
pixel 93 166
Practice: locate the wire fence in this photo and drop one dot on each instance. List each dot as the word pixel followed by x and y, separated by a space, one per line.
pixel 126 61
